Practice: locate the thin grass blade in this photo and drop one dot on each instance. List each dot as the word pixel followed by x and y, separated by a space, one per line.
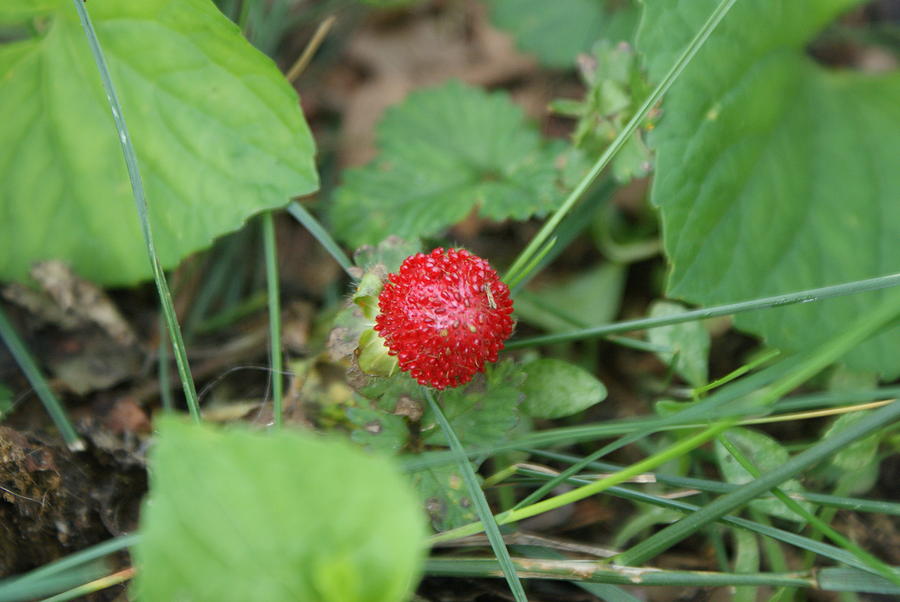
pixel 481 506
pixel 140 200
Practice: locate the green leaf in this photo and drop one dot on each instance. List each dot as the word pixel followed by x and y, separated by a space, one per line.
pixel 774 174
pixel 555 388
pixel 482 412
pixel 689 342
pixel 445 497
pixel 766 454
pixel 443 152
pixel 218 132
pixel 375 429
pixel 242 515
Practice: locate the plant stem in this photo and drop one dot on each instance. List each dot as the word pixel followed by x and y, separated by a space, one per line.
pixel 675 451
pixel 481 505
pixel 672 534
pixel 815 294
pixel 275 358
pixel 36 378
pixel 516 271
pixel 599 572
pixel 140 201
pixel 321 234
pixel 865 557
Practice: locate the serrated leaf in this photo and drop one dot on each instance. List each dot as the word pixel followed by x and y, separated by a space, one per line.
pixel 482 412
pixel 554 388
pixel 218 132
pixel 774 174
pixel 689 342
pixel 445 497
pixel 766 454
pixel 241 515
pixel 443 152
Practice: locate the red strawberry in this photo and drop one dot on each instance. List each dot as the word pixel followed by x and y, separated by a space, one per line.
pixel 444 315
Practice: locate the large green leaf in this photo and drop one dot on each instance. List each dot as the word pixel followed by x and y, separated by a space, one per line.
pixel 443 152
pixel 773 173
pixel 218 131
pixel 242 515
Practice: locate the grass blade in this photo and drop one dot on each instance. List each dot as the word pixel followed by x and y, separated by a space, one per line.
pixel 806 296
pixel 481 506
pixel 863 556
pixel 140 200
pixel 275 357
pixel 833 501
pixel 57 413
pixel 804 543
pixel 598 572
pixel 672 534
pixel 321 234
pixel 517 271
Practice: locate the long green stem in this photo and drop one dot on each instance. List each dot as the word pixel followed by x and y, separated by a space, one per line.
pixel 769 532
pixel 516 271
pixel 815 294
pixel 865 557
pixel 36 378
pixel 822 499
pixel 828 579
pixel 140 200
pixel 675 451
pixel 322 235
pixel 481 504
pixel 275 358
pixel 662 540
pixel 599 572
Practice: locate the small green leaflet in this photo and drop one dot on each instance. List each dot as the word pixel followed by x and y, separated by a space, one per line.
pixel 443 152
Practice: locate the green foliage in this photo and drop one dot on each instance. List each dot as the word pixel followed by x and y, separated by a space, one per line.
pixel 555 32
pixel 483 412
pixel 445 497
pixel 689 342
pixel 774 174
pixel 376 429
pixel 218 132
pixel 766 454
pixel 615 89
pixel 855 468
pixel 554 388
pixel 443 152
pixel 242 515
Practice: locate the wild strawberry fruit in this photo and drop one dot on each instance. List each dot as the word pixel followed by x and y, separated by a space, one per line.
pixel 444 315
